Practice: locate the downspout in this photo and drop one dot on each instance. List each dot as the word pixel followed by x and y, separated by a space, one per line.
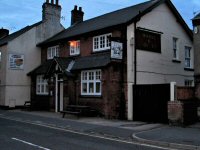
pixel 135 53
pixel 122 99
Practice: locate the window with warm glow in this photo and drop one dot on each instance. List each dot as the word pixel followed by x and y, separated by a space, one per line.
pixel 74 48
pixel 101 42
pixel 52 52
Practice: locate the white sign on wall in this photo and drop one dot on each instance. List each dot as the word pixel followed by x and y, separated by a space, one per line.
pixel 16 61
pixel 116 50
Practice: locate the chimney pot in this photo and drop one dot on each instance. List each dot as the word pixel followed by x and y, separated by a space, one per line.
pixel 75 7
pixel 57 2
pixel 3 33
pixel 76 15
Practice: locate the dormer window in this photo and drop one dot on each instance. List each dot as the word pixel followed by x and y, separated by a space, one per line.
pixel 101 42
pixel 52 52
pixel 74 48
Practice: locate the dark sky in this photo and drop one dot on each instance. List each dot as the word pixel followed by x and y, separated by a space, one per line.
pixel 16 14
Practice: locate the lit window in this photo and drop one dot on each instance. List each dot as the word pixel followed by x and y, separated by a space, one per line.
pixel 101 42
pixel 91 82
pixel 187 57
pixel 175 48
pixel 74 48
pixel 188 82
pixel 52 52
pixel 41 86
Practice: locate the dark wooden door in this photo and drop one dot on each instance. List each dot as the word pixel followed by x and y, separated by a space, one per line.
pixel 150 102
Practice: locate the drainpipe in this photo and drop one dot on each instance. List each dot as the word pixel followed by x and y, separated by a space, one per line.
pixel 135 54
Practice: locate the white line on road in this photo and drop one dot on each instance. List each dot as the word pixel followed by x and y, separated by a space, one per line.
pixel 85 134
pixel 31 144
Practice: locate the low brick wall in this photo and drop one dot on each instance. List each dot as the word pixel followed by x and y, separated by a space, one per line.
pixel 185 93
pixel 182 112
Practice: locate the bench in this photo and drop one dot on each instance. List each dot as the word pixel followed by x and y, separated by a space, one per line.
pixel 77 113
pixel 75 110
pixel 27 105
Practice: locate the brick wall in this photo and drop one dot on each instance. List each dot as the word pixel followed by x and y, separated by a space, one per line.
pixel 184 93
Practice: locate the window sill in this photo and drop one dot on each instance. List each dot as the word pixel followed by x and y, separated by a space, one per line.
pixel 42 94
pixel 188 69
pixel 91 96
pixel 77 55
pixel 100 51
pixel 176 61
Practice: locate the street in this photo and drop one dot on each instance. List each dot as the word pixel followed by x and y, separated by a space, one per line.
pixel 24 136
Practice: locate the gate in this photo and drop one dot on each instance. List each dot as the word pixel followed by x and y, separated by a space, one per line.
pixel 150 102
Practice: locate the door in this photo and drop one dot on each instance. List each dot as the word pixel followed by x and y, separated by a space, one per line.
pixel 150 102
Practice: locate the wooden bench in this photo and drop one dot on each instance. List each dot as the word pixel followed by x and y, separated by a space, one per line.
pixel 27 105
pixel 77 110
pixel 77 113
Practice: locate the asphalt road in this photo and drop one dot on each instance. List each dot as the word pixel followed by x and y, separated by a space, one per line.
pixel 16 135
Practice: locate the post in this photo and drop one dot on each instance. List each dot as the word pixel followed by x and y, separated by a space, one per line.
pixel 56 94
pixel 173 95
pixel 130 101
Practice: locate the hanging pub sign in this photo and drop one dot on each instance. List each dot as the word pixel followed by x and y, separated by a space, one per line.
pixel 16 61
pixel 148 40
pixel 116 50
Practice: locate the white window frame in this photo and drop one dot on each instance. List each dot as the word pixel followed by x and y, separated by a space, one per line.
pixel 91 77
pixel 101 42
pixel 75 49
pixel 188 62
pixel 189 83
pixel 53 51
pixel 41 86
pixel 175 42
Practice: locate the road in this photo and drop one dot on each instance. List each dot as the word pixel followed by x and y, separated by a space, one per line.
pixel 15 135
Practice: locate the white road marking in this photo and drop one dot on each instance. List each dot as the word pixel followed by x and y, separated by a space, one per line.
pixel 31 144
pixel 85 134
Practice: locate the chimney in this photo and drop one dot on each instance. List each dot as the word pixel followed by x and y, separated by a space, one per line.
pixel 3 33
pixel 51 11
pixel 76 15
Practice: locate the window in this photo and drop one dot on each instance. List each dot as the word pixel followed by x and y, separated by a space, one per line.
pixel 52 52
pixel 91 82
pixel 175 48
pixel 188 82
pixel 187 57
pixel 74 48
pixel 101 42
pixel 41 86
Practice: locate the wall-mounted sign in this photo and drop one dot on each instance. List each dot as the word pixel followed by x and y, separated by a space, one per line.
pixel 116 50
pixel 149 41
pixel 16 61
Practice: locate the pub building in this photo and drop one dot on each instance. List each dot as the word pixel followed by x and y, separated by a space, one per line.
pixel 96 62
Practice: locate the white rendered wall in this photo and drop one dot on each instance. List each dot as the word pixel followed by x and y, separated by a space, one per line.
pixel 158 68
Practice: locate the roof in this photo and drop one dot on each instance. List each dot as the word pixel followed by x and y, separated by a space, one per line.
pixel 68 65
pixel 119 17
pixel 93 61
pixel 107 20
pixel 196 17
pixel 14 35
pixel 42 69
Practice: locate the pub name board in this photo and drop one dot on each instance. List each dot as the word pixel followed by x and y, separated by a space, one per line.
pixel 149 41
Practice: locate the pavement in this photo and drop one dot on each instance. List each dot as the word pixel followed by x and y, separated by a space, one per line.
pixel 171 137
